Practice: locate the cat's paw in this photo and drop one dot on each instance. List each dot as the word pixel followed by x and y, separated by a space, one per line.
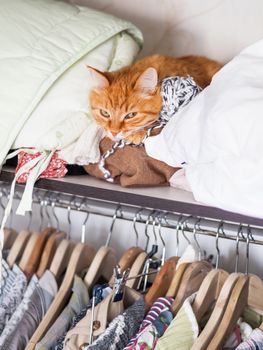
pixel 137 138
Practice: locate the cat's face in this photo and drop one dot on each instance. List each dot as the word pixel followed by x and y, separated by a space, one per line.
pixel 123 106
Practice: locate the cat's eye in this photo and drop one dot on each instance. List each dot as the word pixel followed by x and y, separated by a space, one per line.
pixel 104 113
pixel 130 115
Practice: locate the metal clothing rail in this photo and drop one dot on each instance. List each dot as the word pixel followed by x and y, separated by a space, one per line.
pixel 179 222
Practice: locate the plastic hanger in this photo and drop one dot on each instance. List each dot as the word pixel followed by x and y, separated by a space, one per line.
pixel 51 245
pixel 208 332
pixel 247 291
pixel 80 259
pixel 210 287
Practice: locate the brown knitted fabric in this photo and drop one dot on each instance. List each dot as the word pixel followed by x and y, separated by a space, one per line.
pixel 131 166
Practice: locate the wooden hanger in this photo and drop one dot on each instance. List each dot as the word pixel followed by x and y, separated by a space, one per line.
pixel 191 282
pixel 162 281
pixel 247 291
pixel 101 267
pixel 136 269
pixel 28 250
pixel 31 258
pixel 80 259
pixel 18 247
pixel 10 236
pixel 208 332
pixel 61 258
pixel 175 283
pixel 49 252
pixel 208 292
pixel 127 259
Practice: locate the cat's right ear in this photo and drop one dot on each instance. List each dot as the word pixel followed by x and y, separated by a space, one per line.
pixel 147 81
pixel 97 78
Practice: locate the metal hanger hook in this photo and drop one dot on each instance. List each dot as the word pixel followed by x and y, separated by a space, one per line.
pixel 114 218
pixel 195 229
pixel 46 196
pixel 83 227
pixel 53 206
pixel 41 213
pixel 160 219
pixel 177 228
pixel 153 226
pixel 239 232
pixel 69 216
pixel 219 228
pixel 248 240
pixel 183 227
pixel 147 223
pixel 136 217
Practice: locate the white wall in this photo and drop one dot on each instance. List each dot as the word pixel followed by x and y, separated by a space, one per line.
pixel 216 28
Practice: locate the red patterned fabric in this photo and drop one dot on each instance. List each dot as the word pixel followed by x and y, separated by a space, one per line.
pixel 56 167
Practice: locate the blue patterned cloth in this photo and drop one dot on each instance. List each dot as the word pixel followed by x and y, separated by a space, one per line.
pixel 13 293
pixel 254 342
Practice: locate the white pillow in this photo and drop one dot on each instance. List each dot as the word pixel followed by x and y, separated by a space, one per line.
pixel 217 138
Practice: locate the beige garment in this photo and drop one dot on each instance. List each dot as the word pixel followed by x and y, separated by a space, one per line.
pixel 78 337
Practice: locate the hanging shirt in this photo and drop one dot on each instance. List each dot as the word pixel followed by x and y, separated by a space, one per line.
pixel 153 326
pixel 182 331
pixel 17 316
pixel 13 293
pixel 77 318
pixel 255 341
pixel 121 329
pixel 77 302
pixel 38 305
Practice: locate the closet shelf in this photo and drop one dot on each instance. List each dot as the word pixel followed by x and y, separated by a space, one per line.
pixel 162 198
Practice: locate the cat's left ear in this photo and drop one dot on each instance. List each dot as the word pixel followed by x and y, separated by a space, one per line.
pixel 97 78
pixel 147 81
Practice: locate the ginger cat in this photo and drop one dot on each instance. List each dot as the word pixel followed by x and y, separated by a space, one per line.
pixel 127 102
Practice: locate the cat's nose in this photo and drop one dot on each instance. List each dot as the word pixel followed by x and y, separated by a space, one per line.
pixel 114 133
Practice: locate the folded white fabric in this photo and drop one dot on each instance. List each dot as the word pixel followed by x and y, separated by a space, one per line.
pixel 85 149
pixel 217 138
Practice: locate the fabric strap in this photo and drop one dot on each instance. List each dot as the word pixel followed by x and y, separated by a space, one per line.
pixel 35 166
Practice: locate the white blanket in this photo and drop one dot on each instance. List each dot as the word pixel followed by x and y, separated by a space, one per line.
pixel 218 138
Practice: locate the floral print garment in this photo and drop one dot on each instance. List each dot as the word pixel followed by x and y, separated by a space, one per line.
pixel 153 326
